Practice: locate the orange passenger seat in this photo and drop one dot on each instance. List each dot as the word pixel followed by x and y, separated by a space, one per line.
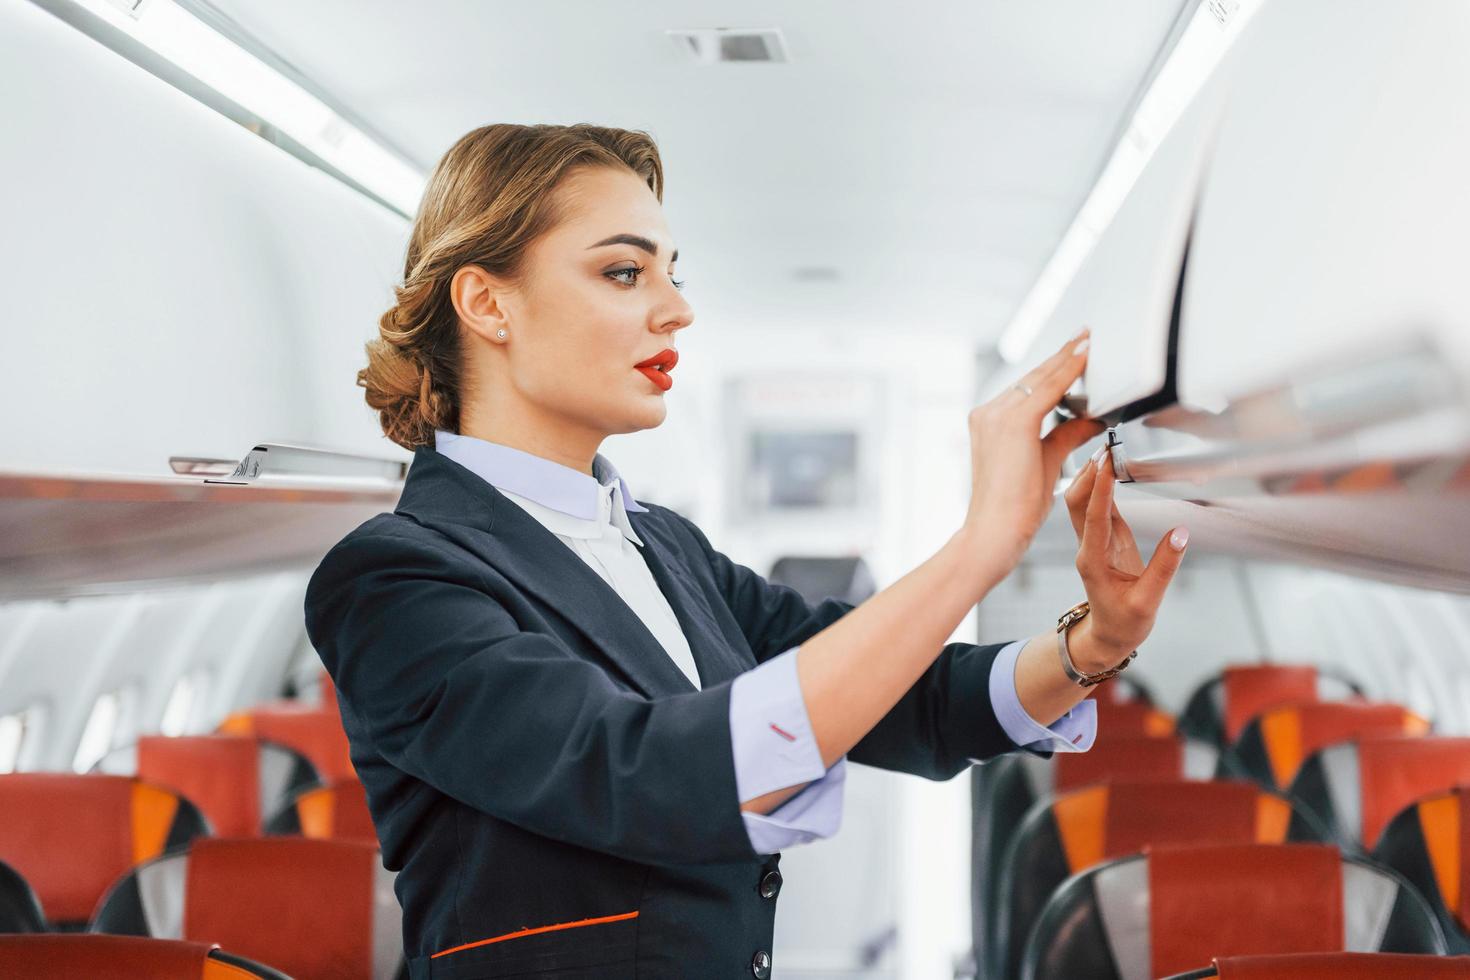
pixel 1175 909
pixel 237 781
pixel 1429 844
pixel 71 836
pixel 1082 828
pixel 310 908
pixel 338 811
pixel 63 957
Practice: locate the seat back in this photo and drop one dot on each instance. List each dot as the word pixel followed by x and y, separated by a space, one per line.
pixel 1429 844
pixel 71 835
pixel 310 729
pixel 1175 908
pixel 1080 829
pixel 1132 757
pixel 1133 718
pixel 1123 689
pixel 1335 966
pixel 81 955
pixel 338 811
pixel 307 907
pixel 1274 744
pixel 20 911
pixel 1218 710
pixel 1356 788
pixel 235 780
pixel 1005 788
pixel 819 577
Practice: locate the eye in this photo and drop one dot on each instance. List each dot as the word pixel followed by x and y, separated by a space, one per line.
pixel 634 272
pixel 678 283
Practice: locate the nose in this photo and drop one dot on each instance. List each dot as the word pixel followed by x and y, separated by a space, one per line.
pixel 676 314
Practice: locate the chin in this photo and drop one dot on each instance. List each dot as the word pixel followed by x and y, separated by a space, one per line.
pixel 651 417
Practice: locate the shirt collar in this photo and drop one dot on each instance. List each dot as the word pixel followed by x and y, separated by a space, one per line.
pixel 558 492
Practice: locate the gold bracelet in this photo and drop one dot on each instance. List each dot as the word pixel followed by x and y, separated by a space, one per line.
pixel 1064 623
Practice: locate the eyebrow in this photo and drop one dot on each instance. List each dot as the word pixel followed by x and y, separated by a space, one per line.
pixel 637 241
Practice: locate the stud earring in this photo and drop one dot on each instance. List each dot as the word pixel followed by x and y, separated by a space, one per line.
pixel 500 334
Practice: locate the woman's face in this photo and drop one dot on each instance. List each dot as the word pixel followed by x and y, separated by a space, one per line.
pixel 597 296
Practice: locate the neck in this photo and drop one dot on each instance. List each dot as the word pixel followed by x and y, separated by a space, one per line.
pixel 520 427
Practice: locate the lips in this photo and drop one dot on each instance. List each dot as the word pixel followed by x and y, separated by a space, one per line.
pixel 657 368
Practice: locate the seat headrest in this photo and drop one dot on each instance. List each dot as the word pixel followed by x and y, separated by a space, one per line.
pixel 1119 757
pixel 1114 819
pixel 1242 899
pixel 306 907
pixel 1251 689
pixel 82 955
pixel 1291 733
pixel 309 729
pixel 1344 966
pixel 71 836
pixel 1394 772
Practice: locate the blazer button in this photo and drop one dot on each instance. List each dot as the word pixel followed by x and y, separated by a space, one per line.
pixel 770 884
pixel 760 965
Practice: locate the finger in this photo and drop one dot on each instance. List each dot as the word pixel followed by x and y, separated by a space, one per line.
pixel 1154 581
pixel 1033 377
pixel 1050 388
pixel 1097 523
pixel 1062 441
pixel 1079 492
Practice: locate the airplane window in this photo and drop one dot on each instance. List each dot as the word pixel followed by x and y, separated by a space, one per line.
pixel 1460 724
pixel 188 691
pixel 14 730
pixel 111 715
pixel 98 734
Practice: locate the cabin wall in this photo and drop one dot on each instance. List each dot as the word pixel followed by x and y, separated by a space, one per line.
pixel 182 287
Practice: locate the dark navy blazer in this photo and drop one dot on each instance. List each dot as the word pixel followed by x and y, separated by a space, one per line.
pixel 532 756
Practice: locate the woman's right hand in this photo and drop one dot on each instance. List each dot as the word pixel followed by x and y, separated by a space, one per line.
pixel 1013 469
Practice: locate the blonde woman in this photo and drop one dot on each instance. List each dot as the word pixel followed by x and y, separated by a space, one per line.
pixel 586 734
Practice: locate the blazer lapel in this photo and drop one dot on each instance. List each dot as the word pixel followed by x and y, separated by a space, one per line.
pixel 444 495
pixel 715 657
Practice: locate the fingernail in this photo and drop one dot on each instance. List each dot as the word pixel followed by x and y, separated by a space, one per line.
pixel 1080 348
pixel 1098 455
pixel 1179 538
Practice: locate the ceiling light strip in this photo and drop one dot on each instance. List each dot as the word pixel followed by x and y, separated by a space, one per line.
pixel 235 82
pixel 1203 43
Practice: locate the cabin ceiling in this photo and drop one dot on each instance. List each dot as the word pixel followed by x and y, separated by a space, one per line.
pixel 932 154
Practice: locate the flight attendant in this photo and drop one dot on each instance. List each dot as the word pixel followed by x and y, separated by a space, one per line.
pixel 586 734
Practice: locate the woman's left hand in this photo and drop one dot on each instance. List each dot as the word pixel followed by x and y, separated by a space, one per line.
pixel 1123 593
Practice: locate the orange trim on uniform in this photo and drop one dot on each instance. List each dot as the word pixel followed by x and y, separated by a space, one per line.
pixel 531 932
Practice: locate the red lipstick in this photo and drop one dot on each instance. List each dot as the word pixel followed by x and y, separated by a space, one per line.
pixel 657 368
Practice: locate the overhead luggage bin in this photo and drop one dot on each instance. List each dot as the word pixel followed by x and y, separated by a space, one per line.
pixel 1277 308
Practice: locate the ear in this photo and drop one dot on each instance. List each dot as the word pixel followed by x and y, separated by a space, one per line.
pixel 480 300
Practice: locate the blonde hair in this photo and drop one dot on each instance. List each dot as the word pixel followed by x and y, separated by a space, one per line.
pixel 488 199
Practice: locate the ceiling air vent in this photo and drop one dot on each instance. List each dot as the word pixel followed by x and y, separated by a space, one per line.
pixel 709 45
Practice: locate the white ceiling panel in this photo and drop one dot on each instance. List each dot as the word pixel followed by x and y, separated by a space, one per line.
pixel 932 153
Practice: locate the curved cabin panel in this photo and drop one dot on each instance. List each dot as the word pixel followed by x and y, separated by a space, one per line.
pixel 200 290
